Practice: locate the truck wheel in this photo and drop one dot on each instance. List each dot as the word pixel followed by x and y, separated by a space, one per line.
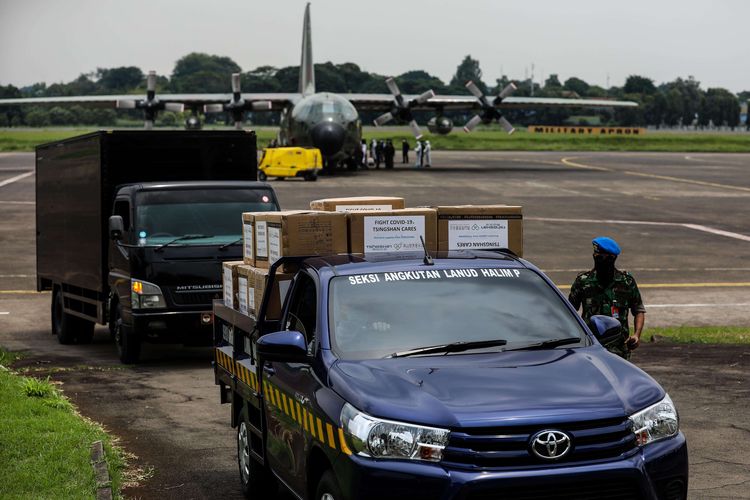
pixel 311 176
pixel 128 345
pixel 262 176
pixel 328 488
pixel 63 324
pixel 254 478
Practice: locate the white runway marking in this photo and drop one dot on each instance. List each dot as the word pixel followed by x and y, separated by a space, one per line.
pixel 15 276
pixel 742 304
pixel 5 202
pixel 3 313
pixel 16 178
pixel 696 227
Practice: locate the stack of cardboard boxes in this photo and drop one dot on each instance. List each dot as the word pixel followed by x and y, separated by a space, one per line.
pixel 357 225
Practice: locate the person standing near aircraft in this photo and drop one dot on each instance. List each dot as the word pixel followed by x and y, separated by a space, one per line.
pixel 390 153
pixel 426 158
pixel 405 151
pixel 374 151
pixel 363 160
pixel 379 153
pixel 418 153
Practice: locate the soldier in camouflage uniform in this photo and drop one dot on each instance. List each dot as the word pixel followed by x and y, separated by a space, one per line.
pixel 608 291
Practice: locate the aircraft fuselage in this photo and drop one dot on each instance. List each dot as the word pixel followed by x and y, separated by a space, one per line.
pixel 326 121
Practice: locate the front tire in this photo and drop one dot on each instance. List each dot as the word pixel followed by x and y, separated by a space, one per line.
pixel 63 324
pixel 311 176
pixel 255 480
pixel 328 488
pixel 128 344
pixel 262 177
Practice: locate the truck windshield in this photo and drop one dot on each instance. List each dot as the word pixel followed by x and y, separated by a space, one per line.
pixel 378 315
pixel 162 216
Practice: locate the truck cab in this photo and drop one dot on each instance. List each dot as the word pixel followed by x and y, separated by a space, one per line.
pixel 464 376
pixel 168 241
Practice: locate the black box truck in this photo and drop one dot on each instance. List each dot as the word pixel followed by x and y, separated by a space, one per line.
pixel 132 228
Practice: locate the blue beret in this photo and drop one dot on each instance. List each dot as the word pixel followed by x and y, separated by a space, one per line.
pixel 606 245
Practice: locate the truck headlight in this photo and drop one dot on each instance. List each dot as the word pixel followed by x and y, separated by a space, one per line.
pixel 658 421
pixel 373 437
pixel 145 295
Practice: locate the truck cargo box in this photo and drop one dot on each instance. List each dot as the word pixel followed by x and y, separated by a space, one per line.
pixel 77 178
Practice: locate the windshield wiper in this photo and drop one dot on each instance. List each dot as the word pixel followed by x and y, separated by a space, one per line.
pixel 453 347
pixel 225 245
pixel 548 344
pixel 182 238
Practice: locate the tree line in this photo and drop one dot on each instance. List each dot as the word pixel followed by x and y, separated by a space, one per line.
pixel 681 102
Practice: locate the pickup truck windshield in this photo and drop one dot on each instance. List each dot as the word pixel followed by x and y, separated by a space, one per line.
pixel 377 315
pixel 163 216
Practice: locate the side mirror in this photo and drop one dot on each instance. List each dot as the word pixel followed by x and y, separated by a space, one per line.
pixel 116 227
pixel 288 346
pixel 606 329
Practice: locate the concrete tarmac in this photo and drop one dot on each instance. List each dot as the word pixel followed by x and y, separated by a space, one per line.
pixel 682 221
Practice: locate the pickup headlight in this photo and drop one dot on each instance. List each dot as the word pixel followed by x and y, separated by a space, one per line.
pixel 373 437
pixel 145 295
pixel 658 421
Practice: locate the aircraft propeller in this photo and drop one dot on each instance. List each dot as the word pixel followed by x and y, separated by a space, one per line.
pixel 489 112
pixel 237 106
pixel 401 108
pixel 151 105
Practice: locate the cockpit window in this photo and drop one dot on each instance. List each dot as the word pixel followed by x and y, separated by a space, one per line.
pixel 318 107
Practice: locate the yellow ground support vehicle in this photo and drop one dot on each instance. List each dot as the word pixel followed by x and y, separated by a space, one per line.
pixel 290 162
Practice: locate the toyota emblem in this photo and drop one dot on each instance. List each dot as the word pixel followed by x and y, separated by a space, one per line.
pixel 550 445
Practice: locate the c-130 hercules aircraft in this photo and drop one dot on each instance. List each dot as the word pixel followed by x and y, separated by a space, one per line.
pixel 326 120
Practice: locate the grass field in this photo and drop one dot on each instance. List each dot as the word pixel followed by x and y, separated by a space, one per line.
pixel 698 335
pixel 489 140
pixel 45 445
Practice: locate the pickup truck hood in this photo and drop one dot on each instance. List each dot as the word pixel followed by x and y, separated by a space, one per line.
pixel 518 387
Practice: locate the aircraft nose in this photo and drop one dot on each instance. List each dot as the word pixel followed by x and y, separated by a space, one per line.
pixel 328 137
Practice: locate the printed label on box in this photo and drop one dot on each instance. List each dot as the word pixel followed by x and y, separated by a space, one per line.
pixel 228 300
pixel 242 294
pixel 248 232
pixel 261 240
pixel 363 208
pixel 477 234
pixel 251 300
pixel 274 244
pixel 392 233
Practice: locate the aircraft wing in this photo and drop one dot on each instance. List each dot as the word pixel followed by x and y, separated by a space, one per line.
pixel 277 100
pixel 467 102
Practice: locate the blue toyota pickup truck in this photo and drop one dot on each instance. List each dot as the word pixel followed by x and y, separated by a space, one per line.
pixel 466 376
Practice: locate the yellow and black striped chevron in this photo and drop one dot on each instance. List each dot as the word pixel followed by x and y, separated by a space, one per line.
pixel 326 433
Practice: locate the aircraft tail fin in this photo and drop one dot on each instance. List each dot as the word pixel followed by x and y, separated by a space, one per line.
pixel 306 68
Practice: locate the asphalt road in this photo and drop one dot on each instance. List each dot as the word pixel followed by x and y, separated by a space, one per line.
pixel 682 222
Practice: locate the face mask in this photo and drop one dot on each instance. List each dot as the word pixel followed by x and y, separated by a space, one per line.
pixel 605 268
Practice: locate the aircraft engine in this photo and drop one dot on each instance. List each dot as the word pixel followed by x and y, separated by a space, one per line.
pixel 401 108
pixel 151 105
pixel 237 106
pixel 489 112
pixel 440 125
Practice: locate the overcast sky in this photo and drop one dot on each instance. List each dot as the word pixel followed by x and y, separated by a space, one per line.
pixel 56 40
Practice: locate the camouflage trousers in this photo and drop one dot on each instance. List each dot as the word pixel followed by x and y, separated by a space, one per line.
pixel 619 348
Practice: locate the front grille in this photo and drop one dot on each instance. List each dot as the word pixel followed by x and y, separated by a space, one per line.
pixel 585 489
pixel 194 298
pixel 508 446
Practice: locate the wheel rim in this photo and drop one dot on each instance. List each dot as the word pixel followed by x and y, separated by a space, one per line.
pixel 327 496
pixel 243 453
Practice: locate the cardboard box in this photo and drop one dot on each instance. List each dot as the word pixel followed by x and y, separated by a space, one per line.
pixel 480 227
pixel 229 275
pixel 248 238
pixel 298 232
pixel 358 204
pixel 257 281
pixel 245 278
pixel 392 231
